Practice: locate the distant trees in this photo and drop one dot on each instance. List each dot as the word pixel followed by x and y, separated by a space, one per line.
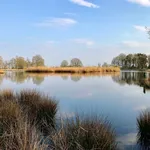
pixel 1 62
pixel 20 62
pixel 75 62
pixel 105 64
pixel 132 61
pixel 37 61
pixel 64 63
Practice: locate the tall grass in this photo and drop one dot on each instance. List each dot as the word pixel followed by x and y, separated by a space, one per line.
pixel 24 117
pixel 143 123
pixel 72 69
pixel 85 133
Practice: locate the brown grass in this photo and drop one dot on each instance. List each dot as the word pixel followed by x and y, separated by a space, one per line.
pixel 72 69
pixel 85 133
pixel 24 117
pixel 1 72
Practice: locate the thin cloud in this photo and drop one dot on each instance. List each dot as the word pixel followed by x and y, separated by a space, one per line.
pixel 86 42
pixel 57 22
pixel 140 28
pixel 70 14
pixel 136 44
pixel 145 3
pixel 84 3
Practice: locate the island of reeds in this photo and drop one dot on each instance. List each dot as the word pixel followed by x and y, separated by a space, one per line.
pixel 72 69
pixel 29 121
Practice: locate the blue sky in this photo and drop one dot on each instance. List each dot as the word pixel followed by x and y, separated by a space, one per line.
pixel 92 30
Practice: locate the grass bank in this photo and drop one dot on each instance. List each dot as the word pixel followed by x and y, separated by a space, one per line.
pixel 28 122
pixel 72 69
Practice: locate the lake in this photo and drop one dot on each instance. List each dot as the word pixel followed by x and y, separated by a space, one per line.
pixel 120 97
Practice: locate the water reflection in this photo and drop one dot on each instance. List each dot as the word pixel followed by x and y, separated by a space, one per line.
pixel 64 77
pixel 37 80
pixel 76 78
pixel 141 79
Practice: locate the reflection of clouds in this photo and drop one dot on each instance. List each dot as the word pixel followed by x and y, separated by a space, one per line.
pixel 84 95
pixel 65 115
pixel 127 139
pixel 139 108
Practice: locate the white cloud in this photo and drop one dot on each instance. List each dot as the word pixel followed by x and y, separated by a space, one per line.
pixel 57 22
pixel 140 28
pixel 136 44
pixel 84 3
pixel 86 42
pixel 70 14
pixel 145 3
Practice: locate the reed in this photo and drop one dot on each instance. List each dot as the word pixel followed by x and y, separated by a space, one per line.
pixel 143 123
pixel 1 72
pixel 81 70
pixel 24 117
pixel 85 133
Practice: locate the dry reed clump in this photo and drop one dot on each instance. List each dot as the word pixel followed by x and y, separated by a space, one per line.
pixel 22 116
pixel 1 72
pixel 40 108
pixel 143 124
pixel 84 133
pixel 72 69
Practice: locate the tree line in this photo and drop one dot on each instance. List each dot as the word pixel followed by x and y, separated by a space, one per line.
pixel 20 62
pixel 132 61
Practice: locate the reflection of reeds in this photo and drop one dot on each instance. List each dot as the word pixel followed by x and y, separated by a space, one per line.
pixel 1 72
pixel 72 69
pixel 75 74
pixel 84 133
pixel 143 123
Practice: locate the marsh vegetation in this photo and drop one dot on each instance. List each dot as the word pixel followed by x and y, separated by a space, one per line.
pixel 28 120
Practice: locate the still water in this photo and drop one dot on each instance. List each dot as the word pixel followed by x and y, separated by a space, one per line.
pixel 121 97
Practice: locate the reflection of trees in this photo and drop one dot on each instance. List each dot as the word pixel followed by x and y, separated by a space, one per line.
pixel 64 77
pixel 37 80
pixel 18 77
pixel 134 78
pixel 75 78
pixel 143 123
pixel 1 78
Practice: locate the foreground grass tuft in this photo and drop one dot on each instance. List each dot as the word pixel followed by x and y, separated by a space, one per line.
pixel 24 117
pixel 85 133
pixel 143 123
